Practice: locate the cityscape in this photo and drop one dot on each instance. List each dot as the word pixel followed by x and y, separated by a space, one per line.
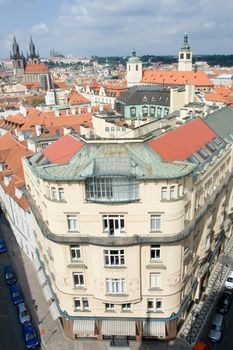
pixel 116 174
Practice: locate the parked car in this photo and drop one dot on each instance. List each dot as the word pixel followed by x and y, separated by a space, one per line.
pixel 215 332
pixel 30 337
pixel 200 345
pixel 23 313
pixel 229 281
pixel 16 294
pixel 3 248
pixel 9 274
pixel 224 302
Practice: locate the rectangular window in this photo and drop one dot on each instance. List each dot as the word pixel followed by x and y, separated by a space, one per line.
pixel 180 191
pixel 77 304
pixel 72 223
pixel 81 304
pixel 155 252
pixel 75 252
pixel 172 192
pixel 155 222
pixel 109 307
pixel 113 224
pixel 150 305
pixel 114 257
pixel 61 196
pixel 85 304
pixel 115 285
pixel 53 193
pixel 78 279
pixel 158 305
pixel 164 193
pixel 154 280
pixel 126 307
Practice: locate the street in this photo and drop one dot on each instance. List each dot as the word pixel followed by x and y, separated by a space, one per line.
pixel 10 329
pixel 227 336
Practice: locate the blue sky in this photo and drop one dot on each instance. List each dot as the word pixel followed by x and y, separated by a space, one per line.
pixel 114 27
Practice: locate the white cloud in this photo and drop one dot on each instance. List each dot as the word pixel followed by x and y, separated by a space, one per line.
pixel 40 28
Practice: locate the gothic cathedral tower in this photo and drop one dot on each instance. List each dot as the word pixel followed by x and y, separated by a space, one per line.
pixel 18 61
pixel 134 70
pixel 185 56
pixel 32 56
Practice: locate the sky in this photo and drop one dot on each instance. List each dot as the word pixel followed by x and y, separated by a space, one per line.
pixel 115 27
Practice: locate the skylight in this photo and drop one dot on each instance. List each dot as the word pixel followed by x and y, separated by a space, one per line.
pixel 193 159
pixel 211 147
pixel 203 153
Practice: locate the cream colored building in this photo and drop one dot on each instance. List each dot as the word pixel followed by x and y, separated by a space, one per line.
pixel 128 232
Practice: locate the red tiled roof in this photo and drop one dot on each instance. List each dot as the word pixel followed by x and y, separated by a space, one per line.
pixel 76 98
pixel 174 77
pixel 63 150
pixel 36 68
pixel 180 143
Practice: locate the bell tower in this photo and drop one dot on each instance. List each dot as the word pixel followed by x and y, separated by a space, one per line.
pixel 18 61
pixel 134 70
pixel 185 56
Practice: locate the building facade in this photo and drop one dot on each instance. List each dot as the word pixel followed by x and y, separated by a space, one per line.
pixel 128 233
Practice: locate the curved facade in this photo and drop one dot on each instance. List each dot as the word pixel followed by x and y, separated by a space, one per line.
pixel 127 240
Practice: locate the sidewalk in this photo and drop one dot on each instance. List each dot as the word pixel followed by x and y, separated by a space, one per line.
pixel 52 336
pixel 192 327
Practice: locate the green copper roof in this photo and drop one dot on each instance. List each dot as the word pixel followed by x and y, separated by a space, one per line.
pixel 221 122
pixel 115 159
pixel 185 45
pixel 134 58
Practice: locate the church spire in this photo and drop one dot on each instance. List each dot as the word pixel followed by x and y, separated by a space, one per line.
pixel 32 49
pixel 185 45
pixel 15 49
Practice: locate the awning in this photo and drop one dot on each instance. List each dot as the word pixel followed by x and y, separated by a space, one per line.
pixel 41 277
pixel 153 328
pixel 118 327
pixel 47 292
pixel 84 327
pixel 54 312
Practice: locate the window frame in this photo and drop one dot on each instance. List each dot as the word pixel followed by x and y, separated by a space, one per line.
pixel 61 194
pixel 118 223
pixel 75 248
pixel 155 280
pixel 115 286
pixel 154 249
pixel 155 218
pixel 71 219
pixel 81 281
pixel 114 257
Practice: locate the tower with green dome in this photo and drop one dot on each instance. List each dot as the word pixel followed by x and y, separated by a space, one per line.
pixel 134 70
pixel 185 56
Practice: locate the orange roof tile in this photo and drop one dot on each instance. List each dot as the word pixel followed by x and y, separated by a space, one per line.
pixel 76 98
pixel 36 68
pixel 63 150
pixel 198 78
pixel 181 143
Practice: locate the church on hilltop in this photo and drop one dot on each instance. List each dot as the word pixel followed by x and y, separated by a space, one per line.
pixel 185 75
pixel 30 69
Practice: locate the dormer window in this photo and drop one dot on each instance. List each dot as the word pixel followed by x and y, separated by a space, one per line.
pixel 144 98
pixel 153 99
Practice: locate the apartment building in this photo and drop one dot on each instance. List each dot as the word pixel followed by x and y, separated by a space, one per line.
pixel 128 232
